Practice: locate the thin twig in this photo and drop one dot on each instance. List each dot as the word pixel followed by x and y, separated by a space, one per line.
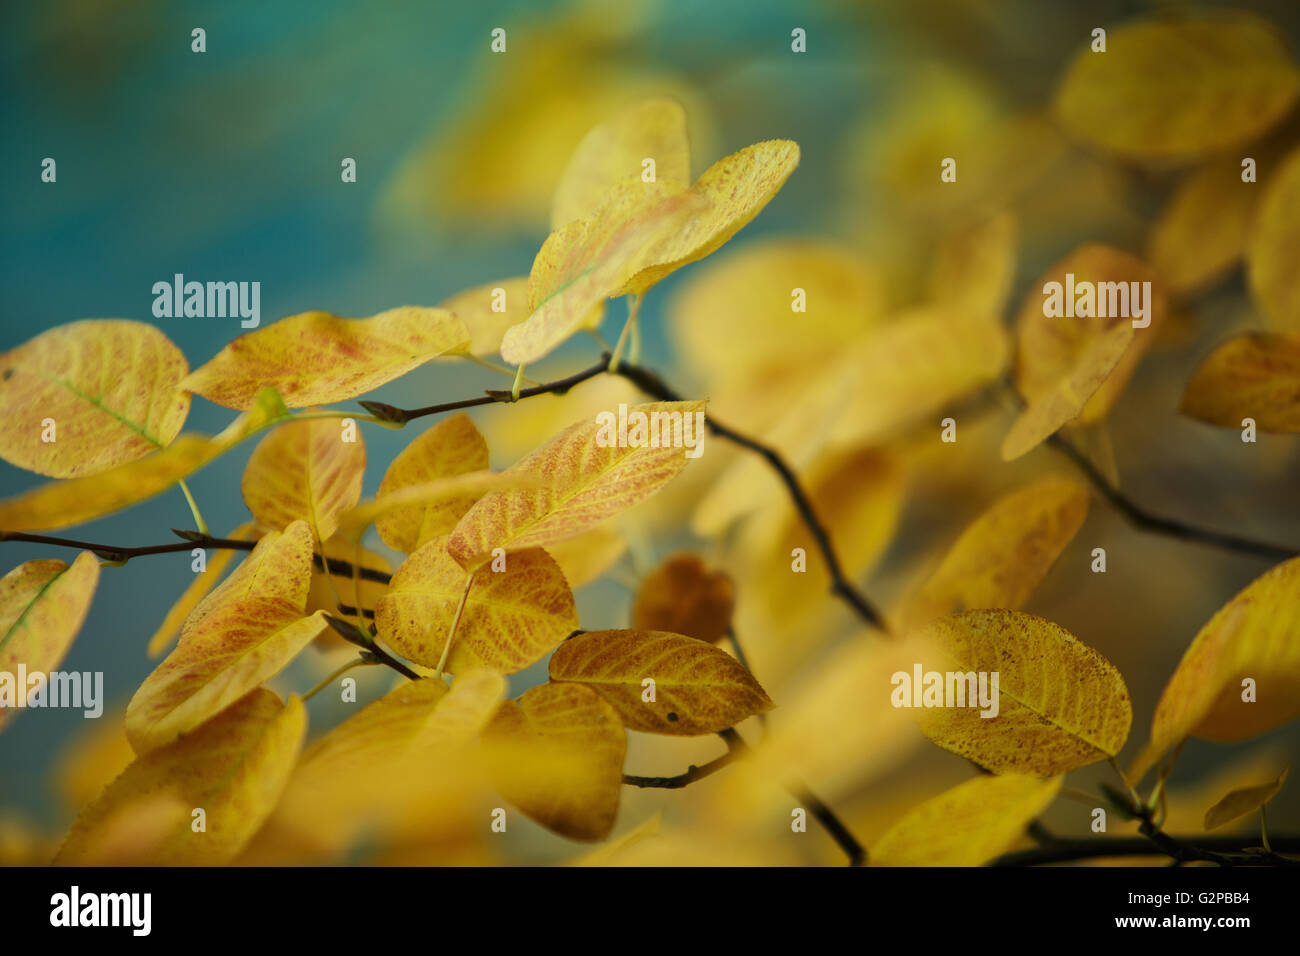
pixel 121 554
pixel 1145 521
pixel 650 383
pixel 392 413
pixel 1226 851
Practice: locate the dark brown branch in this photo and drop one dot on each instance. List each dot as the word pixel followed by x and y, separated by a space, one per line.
pixel 391 413
pixel 1226 851
pixel 122 554
pixel 1145 521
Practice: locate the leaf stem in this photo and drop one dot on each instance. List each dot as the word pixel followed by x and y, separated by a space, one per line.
pixel 358 662
pixel 194 507
pixel 455 623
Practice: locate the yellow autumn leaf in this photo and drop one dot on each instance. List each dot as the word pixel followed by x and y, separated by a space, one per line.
pixel 451 447
pixel 748 483
pixel 242 634
pixel 608 852
pixel 919 362
pixel 59 504
pixel 975 264
pixel 42 607
pixel 1059 704
pixel 510 619
pixel 106 390
pixel 1049 348
pixel 1255 375
pixel 306 470
pixel 591 259
pixel 968 825
pixel 315 358
pixel 858 493
pixel 95 758
pixel 1271 268
pixel 1000 558
pixel 585 475
pixel 279 567
pixel 734 318
pixel 1178 87
pixel 239 647
pixel 234 767
pixel 1066 401
pixel 585 558
pixel 557 754
pixel 696 688
pixel 1241 675
pixel 830 732
pixel 354 522
pixel 488 310
pixel 734 190
pixel 393 757
pixel 616 150
pixel 198 589
pixel 1202 231
pixel 567 68
pixel 1238 803
pixel 682 596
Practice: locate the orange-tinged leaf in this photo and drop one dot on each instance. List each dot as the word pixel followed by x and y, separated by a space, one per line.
pixel 1255 375
pixel 1238 803
pixel 42 607
pixel 1274 278
pixel 615 151
pixel 58 504
pixel 682 596
pixel 1251 637
pixel 968 825
pixel 315 358
pixel 110 386
pixel 197 590
pixel 237 648
pixel 304 470
pixel 583 482
pixel 1174 88
pixel 242 634
pixel 511 618
pixel 280 567
pixel 557 754
pixel 1066 401
pixel 451 447
pixel 1049 348
pixel 589 260
pixel 734 190
pixel 234 767
pixel 488 310
pixel 1060 705
pixel 698 689
pixel 1001 557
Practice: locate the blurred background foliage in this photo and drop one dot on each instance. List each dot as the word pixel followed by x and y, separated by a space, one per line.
pixel 225 166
